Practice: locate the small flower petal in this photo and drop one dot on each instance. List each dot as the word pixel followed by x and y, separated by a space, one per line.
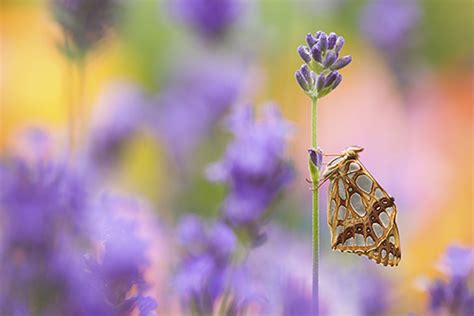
pixel 342 62
pixel 316 53
pixel 310 40
pixel 304 53
pixel 306 72
pixel 301 81
pixel 323 41
pixel 330 59
pixel 337 81
pixel 332 38
pixel 339 43
pixel 320 82
pixel 331 78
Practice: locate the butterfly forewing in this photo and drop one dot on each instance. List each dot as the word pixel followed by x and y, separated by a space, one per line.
pixel 361 214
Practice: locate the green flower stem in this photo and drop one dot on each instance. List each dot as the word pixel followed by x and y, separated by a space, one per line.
pixel 314 173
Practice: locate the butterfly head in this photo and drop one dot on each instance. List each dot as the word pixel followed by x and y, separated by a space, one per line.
pixel 353 151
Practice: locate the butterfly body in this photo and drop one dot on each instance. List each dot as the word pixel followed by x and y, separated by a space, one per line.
pixel 361 214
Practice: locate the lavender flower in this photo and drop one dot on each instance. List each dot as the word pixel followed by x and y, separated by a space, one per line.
pixel 42 208
pixel 297 301
pixel 254 166
pixel 117 120
pixel 211 18
pixel 119 269
pixel 319 75
pixel 191 105
pixel 205 268
pixel 84 23
pixel 454 296
pixel 48 262
pixel 389 24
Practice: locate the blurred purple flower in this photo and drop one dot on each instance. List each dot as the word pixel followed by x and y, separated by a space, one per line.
pixel 42 207
pixel 119 268
pixel 254 165
pixel 191 105
pixel 47 244
pixel 205 267
pixel 296 299
pixel 117 118
pixel 373 295
pixel 458 261
pixel 84 23
pixel 211 18
pixel 454 296
pixel 389 24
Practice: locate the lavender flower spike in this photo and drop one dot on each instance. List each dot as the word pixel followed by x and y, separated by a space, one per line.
pixel 454 296
pixel 254 177
pixel 323 60
pixel 204 267
pixel 390 24
pixel 210 18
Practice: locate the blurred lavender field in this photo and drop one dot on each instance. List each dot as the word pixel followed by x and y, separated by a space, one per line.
pixel 153 155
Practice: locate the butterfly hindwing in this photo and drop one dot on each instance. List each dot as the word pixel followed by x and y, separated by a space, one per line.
pixel 388 252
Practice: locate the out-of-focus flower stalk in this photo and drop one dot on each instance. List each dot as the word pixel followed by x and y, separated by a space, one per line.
pixel 84 23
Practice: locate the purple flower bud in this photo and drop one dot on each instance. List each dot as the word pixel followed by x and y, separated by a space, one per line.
pixel 339 43
pixel 331 78
pixel 337 81
pixel 301 81
pixel 323 41
pixel 316 53
pixel 310 40
pixel 306 72
pixel 316 157
pixel 320 82
pixel 332 38
pixel 342 62
pixel 317 34
pixel 330 59
pixel 304 53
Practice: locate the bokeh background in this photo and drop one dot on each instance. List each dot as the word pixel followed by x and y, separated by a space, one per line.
pixel 407 98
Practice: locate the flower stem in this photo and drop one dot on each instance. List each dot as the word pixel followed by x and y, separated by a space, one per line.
pixel 314 172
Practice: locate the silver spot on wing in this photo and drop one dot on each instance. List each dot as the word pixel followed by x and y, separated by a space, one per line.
pixel 365 183
pixel 357 205
pixel 370 241
pixel 349 242
pixel 377 229
pixel 341 189
pixel 332 206
pixel 359 240
pixel 341 214
pixel 379 193
pixel 384 219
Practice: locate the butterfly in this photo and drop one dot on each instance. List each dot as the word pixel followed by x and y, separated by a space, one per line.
pixel 361 214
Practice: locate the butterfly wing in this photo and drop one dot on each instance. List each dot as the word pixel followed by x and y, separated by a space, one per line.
pixel 361 213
